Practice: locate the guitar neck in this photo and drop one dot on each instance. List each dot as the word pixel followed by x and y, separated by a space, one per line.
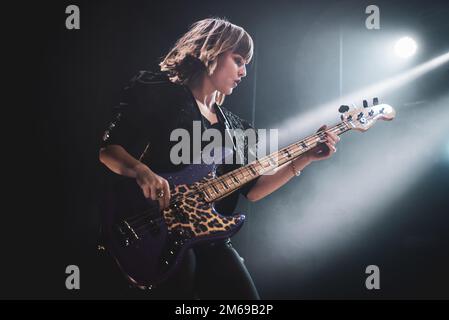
pixel 224 185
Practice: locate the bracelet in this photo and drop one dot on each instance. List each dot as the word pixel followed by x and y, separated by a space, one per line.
pixel 295 172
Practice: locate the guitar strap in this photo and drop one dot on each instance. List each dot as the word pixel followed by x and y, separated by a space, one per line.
pixel 228 128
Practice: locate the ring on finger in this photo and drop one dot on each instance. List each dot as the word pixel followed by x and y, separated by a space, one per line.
pixel 160 193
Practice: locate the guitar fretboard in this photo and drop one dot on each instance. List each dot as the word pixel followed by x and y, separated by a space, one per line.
pixel 224 185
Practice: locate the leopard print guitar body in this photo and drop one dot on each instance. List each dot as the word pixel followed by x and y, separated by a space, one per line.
pixel 148 244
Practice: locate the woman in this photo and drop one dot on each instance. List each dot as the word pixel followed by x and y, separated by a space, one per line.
pixel 204 66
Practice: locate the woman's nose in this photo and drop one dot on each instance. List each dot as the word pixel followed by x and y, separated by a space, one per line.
pixel 242 71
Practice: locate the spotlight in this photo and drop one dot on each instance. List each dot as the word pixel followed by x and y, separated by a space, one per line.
pixel 405 47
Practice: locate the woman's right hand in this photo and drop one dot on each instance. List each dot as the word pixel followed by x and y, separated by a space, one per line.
pixel 151 184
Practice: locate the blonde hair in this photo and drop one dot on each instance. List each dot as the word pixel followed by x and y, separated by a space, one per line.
pixel 198 49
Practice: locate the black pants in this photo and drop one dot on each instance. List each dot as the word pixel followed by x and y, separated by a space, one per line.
pixel 210 271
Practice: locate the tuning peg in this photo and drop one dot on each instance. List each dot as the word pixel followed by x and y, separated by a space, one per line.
pixel 375 101
pixel 343 108
pixel 365 104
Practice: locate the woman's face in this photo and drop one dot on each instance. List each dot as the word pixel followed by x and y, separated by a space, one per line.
pixel 230 70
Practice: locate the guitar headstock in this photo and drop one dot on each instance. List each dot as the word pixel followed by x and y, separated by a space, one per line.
pixel 362 118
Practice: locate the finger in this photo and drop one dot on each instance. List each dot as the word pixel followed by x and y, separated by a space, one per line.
pixel 156 196
pixel 328 138
pixel 153 193
pixel 146 191
pixel 331 147
pixel 167 194
pixel 161 202
pixel 337 138
pixel 163 199
pixel 334 136
pixel 322 128
pixel 331 139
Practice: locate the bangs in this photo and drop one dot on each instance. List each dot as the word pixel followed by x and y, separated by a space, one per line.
pixel 244 46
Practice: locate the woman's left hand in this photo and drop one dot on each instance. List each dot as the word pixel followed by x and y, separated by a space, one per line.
pixel 323 150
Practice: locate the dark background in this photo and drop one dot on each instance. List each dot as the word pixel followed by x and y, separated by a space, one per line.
pixel 62 85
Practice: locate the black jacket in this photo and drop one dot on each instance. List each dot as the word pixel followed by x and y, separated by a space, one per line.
pixel 151 107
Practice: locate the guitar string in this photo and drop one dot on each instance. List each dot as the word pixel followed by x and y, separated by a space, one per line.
pixel 228 175
pixel 206 184
pixel 199 190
